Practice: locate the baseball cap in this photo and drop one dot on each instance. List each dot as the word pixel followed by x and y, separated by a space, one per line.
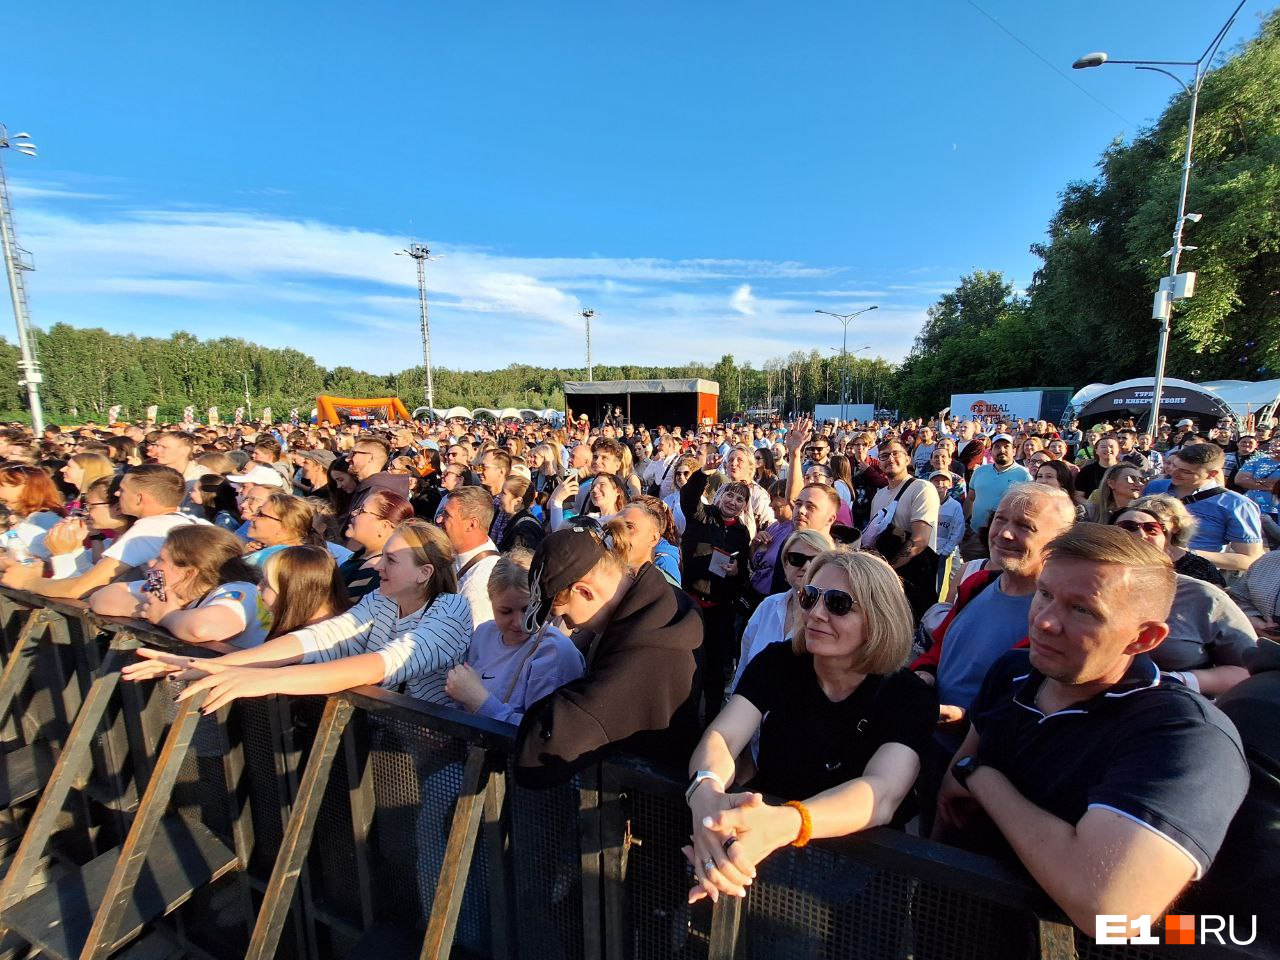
pixel 1186 422
pixel 1001 436
pixel 562 559
pixel 323 457
pixel 261 475
pixel 941 473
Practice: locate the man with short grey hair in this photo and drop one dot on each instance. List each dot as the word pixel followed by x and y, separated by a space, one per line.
pixel 990 613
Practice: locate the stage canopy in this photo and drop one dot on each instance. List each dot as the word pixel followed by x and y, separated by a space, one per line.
pixel 651 402
pixel 1205 402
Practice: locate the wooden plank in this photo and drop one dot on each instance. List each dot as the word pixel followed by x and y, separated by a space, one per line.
pixel 68 773
pixel 299 832
pixel 103 935
pixel 183 857
pixel 24 773
pixel 458 852
pixel 1057 940
pixel 726 928
pixel 21 663
pixel 589 844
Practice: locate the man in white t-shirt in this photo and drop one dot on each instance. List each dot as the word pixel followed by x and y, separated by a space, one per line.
pixel 151 493
pixel 913 516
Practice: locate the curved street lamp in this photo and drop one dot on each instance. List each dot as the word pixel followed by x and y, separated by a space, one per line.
pixel 844 318
pixel 1173 287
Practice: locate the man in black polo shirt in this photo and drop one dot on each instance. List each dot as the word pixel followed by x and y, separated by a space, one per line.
pixel 1113 786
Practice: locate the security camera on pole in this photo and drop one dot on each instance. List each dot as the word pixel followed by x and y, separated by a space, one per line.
pixel 1176 286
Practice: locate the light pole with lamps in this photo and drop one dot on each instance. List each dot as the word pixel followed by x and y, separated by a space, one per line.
pixel 14 267
pixel 586 315
pixel 844 319
pixel 420 253
pixel 1175 286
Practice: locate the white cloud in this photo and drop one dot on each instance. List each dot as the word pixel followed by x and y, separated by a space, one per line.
pixel 342 295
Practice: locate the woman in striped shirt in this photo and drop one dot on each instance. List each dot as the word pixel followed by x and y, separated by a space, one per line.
pixel 408 634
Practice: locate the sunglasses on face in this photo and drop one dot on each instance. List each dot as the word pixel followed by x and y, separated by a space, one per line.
pixel 1150 527
pixel 837 602
pixel 795 559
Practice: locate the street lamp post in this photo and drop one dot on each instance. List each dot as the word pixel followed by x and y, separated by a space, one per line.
pixel 844 319
pixel 586 315
pixel 1174 286
pixel 14 268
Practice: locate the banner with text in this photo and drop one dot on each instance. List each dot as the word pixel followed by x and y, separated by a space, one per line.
pixel 997 406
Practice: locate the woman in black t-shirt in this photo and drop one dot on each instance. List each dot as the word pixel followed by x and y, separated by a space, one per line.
pixel 842 727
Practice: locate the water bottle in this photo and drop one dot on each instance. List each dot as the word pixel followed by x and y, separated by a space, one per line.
pixel 17 550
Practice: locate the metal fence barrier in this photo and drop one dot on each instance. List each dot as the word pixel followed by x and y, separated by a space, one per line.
pixel 369 824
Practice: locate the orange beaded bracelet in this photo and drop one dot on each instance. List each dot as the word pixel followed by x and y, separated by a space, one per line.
pixel 806 823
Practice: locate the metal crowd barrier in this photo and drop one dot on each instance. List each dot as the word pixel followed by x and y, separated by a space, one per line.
pixel 369 824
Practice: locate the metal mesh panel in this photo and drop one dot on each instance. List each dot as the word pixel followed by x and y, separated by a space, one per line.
pixel 813 903
pixel 658 879
pixel 332 858
pixel 267 788
pixel 950 925
pixel 548 871
pixel 416 778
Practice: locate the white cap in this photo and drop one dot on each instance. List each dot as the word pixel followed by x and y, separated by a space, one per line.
pixel 260 475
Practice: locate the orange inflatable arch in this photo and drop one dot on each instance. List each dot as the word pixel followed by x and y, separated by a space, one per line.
pixel 338 410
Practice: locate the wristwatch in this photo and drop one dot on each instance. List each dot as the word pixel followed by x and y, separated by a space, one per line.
pixel 697 779
pixel 963 769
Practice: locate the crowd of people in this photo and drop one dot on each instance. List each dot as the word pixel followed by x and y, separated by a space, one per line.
pixel 1048 644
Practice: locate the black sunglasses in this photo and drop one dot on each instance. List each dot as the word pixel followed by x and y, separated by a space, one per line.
pixel 837 602
pixel 796 559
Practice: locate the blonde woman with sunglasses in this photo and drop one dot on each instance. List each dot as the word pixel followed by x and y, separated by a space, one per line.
pixel 842 729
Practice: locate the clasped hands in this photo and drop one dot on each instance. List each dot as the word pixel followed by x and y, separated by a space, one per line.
pixel 732 833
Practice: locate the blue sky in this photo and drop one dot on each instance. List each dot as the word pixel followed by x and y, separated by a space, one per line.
pixel 702 175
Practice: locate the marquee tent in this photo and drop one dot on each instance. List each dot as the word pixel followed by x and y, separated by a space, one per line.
pixel 1208 401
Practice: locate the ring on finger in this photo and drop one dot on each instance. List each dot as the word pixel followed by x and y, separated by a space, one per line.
pixel 730 842
pixel 708 864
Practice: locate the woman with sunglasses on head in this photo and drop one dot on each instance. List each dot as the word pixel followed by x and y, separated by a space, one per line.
pixel 371 527
pixel 842 727
pixel 1209 635
pixel 409 633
